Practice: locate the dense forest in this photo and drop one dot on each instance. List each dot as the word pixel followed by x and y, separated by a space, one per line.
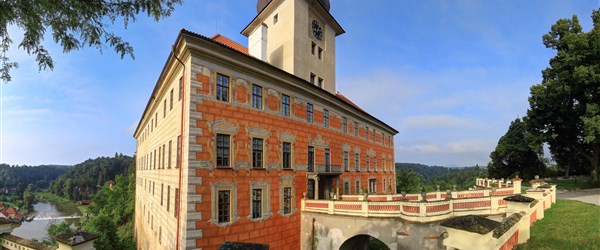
pixel 40 176
pixel 112 207
pixel 84 179
pixel 414 177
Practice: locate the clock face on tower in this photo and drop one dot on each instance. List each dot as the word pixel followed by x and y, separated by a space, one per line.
pixel 317 30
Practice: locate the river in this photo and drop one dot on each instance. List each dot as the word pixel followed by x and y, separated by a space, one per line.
pixel 46 213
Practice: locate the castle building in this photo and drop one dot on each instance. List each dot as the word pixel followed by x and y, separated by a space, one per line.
pixel 233 138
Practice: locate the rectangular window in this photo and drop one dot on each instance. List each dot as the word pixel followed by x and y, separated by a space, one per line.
pixel 154 164
pixel 311 159
pixel 223 146
pixel 223 206
pixel 312 78
pixel 170 149
pixel 326 118
pixel 180 87
pixel 356 162
pixel 256 97
pixel 163 158
pixel 222 88
pixel 165 108
pixel 159 155
pixel 313 48
pixel 171 100
pixel 320 83
pixel 257 153
pixel 374 134
pixel 357 187
pixel 346 187
pixel 162 189
pixel 285 105
pixel 287 155
pixel 256 203
pixel 367 133
pixel 375 163
pixel 346 168
pixel 275 18
pixel 327 160
pixel 176 202
pixel 355 128
pixel 372 185
pixel 309 112
pixel 287 200
pixel 383 187
pixel 368 163
pixel 320 55
pixel 178 163
pixel 168 197
pixel 344 124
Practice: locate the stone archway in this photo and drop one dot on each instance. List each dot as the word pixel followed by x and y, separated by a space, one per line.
pixel 363 242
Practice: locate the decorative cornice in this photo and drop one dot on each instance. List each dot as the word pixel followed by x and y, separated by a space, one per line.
pixel 222 126
pixel 287 137
pixel 258 132
pixel 318 142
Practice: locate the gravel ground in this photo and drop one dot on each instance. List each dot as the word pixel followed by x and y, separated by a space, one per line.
pixel 591 196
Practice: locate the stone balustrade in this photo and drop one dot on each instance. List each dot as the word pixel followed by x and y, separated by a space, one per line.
pixel 423 211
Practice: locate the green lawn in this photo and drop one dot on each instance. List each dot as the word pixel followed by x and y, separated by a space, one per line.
pixel 573 184
pixel 567 225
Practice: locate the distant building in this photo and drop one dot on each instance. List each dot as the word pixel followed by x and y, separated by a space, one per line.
pixel 232 138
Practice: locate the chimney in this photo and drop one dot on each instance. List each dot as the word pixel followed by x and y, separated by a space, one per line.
pixel 257 46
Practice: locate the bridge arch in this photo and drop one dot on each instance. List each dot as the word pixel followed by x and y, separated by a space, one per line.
pixel 363 242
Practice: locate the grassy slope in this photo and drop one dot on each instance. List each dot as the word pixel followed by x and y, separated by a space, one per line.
pixel 567 225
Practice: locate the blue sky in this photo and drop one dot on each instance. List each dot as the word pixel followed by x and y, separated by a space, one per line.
pixel 450 76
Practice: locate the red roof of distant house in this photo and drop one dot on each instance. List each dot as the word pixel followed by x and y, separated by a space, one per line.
pixel 10 210
pixel 230 43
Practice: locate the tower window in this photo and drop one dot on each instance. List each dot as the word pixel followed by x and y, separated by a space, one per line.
pixel 312 78
pixel 320 82
pixel 275 18
pixel 313 47
pixel 320 55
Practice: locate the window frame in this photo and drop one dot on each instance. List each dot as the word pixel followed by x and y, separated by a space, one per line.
pixel 258 154
pixel 264 203
pixel 310 159
pixel 286 155
pixel 326 118
pixel 285 105
pixel 257 97
pixel 222 88
pixel 309 113
pixel 227 149
pixel 231 187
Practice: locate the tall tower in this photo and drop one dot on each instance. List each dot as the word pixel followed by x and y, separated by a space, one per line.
pixel 297 36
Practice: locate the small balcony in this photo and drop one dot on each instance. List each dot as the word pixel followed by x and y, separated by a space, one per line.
pixel 325 169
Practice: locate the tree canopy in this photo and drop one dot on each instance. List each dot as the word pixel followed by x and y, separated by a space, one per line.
pixel 565 107
pixel 73 25
pixel 517 153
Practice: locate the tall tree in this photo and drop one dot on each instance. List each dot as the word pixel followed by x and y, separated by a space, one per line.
pixel 409 181
pixel 516 153
pixel 74 24
pixel 565 107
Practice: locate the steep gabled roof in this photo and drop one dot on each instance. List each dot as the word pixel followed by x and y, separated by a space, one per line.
pixel 230 43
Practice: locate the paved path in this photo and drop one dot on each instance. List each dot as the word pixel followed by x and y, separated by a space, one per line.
pixel 591 196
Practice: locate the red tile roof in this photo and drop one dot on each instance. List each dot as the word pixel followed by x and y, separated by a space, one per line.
pixel 346 100
pixel 230 43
